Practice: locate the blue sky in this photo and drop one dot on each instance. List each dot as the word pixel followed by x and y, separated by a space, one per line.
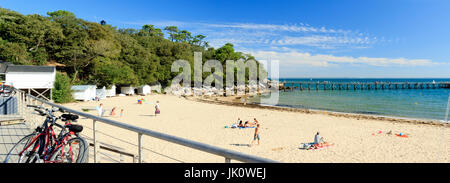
pixel 371 38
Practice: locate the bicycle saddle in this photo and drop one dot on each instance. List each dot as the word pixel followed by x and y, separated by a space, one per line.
pixel 75 128
pixel 70 117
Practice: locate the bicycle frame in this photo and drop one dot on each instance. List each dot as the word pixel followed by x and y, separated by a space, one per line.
pixel 42 145
pixel 51 142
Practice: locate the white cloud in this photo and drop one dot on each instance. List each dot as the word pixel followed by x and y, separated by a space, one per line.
pixel 252 35
pixel 320 60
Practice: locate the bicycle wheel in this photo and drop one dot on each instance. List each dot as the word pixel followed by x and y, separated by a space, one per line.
pixel 75 151
pixel 28 155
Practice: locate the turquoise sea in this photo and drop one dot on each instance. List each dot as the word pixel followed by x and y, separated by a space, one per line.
pixel 407 103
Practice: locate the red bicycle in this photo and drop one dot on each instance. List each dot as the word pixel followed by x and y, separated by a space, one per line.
pixel 44 146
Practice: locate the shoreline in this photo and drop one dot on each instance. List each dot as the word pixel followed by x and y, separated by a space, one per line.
pixel 233 101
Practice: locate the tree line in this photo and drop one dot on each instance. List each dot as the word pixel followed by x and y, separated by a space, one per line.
pixel 101 54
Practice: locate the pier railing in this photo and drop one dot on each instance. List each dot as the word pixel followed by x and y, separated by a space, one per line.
pixel 228 155
pixel 308 85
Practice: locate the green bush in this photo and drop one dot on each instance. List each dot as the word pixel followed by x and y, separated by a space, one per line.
pixel 62 92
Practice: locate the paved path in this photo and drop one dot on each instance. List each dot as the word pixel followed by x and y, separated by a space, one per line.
pixel 10 135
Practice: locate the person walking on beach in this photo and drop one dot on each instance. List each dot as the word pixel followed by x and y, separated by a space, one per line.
pixel 157 111
pixel 100 110
pixel 256 135
pixel 113 112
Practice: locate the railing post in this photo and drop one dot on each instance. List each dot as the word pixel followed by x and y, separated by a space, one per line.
pixel 140 147
pixel 96 144
pixel 227 160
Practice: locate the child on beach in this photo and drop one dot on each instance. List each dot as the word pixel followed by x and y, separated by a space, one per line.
pixel 113 112
pixel 256 135
pixel 121 112
pixel 157 111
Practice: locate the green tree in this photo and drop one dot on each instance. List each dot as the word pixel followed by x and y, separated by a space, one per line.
pixel 173 31
pixel 150 30
pixel 62 92
pixel 98 53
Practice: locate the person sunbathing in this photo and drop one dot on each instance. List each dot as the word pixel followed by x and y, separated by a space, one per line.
pixel 240 124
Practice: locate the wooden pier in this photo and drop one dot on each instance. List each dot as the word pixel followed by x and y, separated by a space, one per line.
pixel 289 86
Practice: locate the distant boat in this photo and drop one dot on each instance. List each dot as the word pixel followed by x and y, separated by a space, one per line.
pixel 434 82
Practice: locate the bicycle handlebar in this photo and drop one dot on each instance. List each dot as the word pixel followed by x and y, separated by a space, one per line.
pixel 35 106
pixel 42 113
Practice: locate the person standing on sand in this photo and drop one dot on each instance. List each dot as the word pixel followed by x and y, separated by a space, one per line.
pixel 157 111
pixel 256 135
pixel 121 112
pixel 113 112
pixel 100 110
pixel 255 122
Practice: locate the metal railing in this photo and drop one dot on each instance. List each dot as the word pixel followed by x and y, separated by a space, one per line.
pixel 227 154
pixel 11 106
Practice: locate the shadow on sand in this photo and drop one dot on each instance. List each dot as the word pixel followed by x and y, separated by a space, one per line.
pixel 151 115
pixel 247 145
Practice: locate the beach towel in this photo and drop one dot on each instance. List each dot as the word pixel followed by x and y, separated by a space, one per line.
pixel 402 135
pixel 246 127
pixel 313 146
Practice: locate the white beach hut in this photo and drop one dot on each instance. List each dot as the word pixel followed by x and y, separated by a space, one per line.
pixel 156 88
pixel 84 92
pixel 111 92
pixel 101 93
pixel 35 80
pixel 127 90
pixel 144 90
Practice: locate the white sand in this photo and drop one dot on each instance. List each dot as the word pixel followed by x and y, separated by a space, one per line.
pixel 281 135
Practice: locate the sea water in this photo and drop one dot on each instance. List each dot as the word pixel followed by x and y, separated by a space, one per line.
pixel 406 103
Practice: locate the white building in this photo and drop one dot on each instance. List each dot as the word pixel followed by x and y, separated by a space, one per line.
pixel 111 92
pixel 100 93
pixel 84 92
pixel 127 90
pixel 36 80
pixel 156 88
pixel 144 90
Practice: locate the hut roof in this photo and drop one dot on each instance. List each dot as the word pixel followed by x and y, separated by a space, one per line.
pixel 30 68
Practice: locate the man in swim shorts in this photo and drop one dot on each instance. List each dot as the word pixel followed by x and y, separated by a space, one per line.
pixel 256 135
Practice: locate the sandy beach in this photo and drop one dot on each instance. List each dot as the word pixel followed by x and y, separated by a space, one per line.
pixel 282 133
